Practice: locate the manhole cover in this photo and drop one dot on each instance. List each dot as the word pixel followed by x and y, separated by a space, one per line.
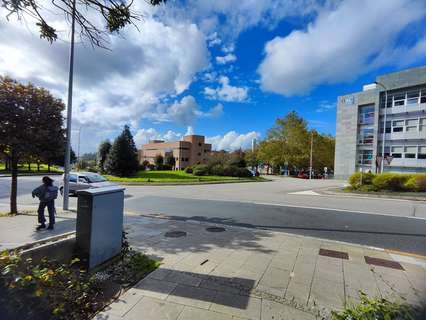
pixel 175 234
pixel 215 229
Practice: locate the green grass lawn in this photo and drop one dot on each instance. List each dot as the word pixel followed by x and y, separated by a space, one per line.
pixel 170 176
pixel 33 167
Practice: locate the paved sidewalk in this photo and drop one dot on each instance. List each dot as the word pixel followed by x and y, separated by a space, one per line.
pixel 254 274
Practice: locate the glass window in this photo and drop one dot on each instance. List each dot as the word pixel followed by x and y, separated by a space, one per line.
pixel 410 152
pixel 366 136
pixel 366 114
pixel 396 152
pixel 411 125
pixel 422 126
pixel 73 178
pixel 422 152
pixel 365 156
pixel 398 126
pixel 398 100
pixel 413 97
pixel 423 96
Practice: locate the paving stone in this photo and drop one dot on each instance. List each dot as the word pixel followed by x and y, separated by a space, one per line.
pixel 274 281
pixel 159 274
pixel 154 309
pixel 192 296
pixel 182 277
pixel 190 313
pixel 275 311
pixel 106 316
pixel 155 288
pixel 222 286
pixel 124 303
pixel 298 292
pixel 236 305
pixel 327 294
pixel 303 274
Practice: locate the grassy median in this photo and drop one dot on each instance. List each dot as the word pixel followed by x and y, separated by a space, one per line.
pixel 170 176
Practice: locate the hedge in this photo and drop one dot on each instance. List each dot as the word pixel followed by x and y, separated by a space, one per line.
pixel 388 182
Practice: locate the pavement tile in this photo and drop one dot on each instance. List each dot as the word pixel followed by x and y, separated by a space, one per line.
pixel 182 277
pixel 327 294
pixel 154 309
pixel 190 313
pixel 298 292
pixel 274 281
pixel 106 316
pixel 124 303
pixel 303 274
pixel 236 305
pixel 222 286
pixel 155 288
pixel 192 296
pixel 159 274
pixel 275 311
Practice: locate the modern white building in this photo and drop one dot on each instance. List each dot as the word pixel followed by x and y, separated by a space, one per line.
pixel 396 102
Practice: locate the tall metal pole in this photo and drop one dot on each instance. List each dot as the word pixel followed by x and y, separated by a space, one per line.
pixel 384 126
pixel 69 114
pixel 310 160
pixel 78 146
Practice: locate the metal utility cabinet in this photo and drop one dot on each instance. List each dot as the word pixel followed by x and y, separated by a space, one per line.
pixel 99 224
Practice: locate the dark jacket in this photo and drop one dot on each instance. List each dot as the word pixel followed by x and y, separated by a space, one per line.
pixel 45 193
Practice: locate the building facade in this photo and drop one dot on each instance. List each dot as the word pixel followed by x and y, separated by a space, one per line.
pixel 190 151
pixel 395 104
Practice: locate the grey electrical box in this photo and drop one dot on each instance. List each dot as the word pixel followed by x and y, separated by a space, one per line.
pixel 99 224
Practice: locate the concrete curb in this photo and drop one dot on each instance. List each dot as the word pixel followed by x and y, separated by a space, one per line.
pixel 185 183
pixel 367 195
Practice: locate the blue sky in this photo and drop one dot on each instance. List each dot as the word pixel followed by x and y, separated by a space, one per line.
pixel 221 69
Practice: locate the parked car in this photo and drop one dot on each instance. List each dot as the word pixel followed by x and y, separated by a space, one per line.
pixel 85 180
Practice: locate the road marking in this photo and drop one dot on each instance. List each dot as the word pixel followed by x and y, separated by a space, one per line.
pixel 306 193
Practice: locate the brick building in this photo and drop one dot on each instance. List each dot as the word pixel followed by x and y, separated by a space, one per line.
pixel 190 151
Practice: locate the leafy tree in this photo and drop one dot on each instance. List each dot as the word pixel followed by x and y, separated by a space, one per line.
pixel 252 159
pixel 170 161
pixel 122 159
pixel 159 161
pixel 30 121
pixel 89 15
pixel 103 151
pixel 237 159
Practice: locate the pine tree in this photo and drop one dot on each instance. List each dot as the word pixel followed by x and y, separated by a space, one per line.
pixel 122 159
pixel 104 149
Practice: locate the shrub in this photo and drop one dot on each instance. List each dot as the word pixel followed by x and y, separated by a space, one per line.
pixel 371 308
pixel 390 181
pixel 416 183
pixel 217 170
pixel 201 170
pixel 244 173
pixel 355 179
pixel 230 171
pixel 189 170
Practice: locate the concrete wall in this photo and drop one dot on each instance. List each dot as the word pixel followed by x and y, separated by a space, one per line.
pixel 347 130
pixel 405 78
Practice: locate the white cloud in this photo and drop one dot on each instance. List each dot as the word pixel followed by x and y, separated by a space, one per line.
pixel 143 136
pixel 233 140
pixel 184 112
pixel 214 40
pixel 230 57
pixel 227 92
pixel 111 88
pixel 325 106
pixel 341 44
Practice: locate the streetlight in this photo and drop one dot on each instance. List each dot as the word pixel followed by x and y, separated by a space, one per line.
pixel 310 159
pixel 384 124
pixel 69 113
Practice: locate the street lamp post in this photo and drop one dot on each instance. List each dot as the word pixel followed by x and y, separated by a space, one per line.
pixel 69 114
pixel 310 158
pixel 384 124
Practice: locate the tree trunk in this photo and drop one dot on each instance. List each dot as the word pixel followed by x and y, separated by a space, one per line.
pixel 6 167
pixel 14 187
pixel 29 166
pixel 38 166
pixel 48 167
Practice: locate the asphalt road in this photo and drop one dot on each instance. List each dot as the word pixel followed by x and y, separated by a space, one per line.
pixel 271 205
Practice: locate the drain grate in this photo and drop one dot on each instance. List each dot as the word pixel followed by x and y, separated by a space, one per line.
pixel 334 254
pixel 175 234
pixel 383 263
pixel 215 229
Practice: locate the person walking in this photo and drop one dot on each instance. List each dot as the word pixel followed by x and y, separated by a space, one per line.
pixel 47 193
